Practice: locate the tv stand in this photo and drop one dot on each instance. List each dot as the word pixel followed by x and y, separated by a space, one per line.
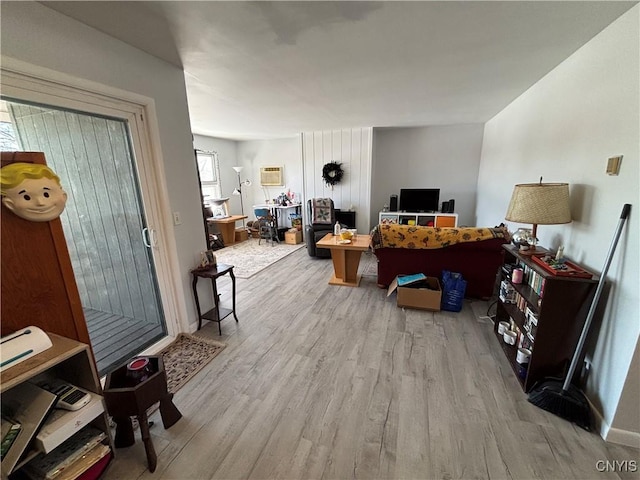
pixel 425 219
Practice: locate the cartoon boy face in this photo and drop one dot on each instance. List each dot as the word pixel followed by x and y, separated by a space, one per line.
pixel 36 199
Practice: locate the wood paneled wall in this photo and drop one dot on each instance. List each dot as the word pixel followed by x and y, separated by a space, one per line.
pixel 352 148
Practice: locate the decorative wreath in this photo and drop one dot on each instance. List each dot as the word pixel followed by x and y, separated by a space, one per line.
pixel 332 173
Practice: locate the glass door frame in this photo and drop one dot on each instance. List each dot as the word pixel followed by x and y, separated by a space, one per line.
pixel 52 88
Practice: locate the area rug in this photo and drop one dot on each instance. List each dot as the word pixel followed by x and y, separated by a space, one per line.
pixel 185 357
pixel 249 258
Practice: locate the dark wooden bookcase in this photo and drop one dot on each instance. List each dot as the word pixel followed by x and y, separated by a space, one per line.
pixel 561 309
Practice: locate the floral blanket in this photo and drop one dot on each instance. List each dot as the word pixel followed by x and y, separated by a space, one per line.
pixel 418 237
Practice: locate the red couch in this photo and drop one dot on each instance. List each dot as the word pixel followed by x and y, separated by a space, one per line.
pixel 404 249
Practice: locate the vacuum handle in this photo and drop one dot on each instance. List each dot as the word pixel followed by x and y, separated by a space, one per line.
pixel 596 297
pixel 625 211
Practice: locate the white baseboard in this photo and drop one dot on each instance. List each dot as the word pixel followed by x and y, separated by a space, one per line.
pixel 614 435
pixel 623 437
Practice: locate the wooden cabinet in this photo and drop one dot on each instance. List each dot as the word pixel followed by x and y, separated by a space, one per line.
pixel 72 362
pixel 547 311
pixel 424 219
pixel 346 217
pixel 38 284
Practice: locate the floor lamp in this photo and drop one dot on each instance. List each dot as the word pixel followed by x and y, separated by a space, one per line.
pixel 238 191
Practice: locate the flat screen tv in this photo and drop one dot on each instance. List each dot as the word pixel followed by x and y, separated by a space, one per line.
pixel 419 200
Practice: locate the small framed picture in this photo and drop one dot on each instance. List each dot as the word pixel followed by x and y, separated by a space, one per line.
pixel 207 259
pixel 211 258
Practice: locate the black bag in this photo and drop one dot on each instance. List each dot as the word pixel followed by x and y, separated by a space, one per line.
pixel 215 242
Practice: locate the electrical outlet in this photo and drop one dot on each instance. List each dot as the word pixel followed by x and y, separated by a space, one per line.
pixel 177 220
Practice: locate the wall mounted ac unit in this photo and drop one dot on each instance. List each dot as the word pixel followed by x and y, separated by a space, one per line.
pixel 271 176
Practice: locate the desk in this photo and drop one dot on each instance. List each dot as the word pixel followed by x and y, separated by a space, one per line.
pixel 217 313
pixel 227 227
pixel 345 257
pixel 277 210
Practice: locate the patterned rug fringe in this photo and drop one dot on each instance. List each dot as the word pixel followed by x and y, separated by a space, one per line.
pixel 186 356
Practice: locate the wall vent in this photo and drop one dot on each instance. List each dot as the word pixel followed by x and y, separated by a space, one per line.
pixel 271 176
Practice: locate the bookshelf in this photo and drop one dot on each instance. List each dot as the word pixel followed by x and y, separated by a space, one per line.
pixel 72 362
pixel 434 219
pixel 547 311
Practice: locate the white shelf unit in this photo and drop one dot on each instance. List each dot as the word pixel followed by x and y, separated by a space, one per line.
pixel 434 219
pixel 70 361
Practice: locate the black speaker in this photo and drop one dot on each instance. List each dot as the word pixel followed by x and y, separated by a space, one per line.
pixel 393 203
pixel 452 206
pixel 445 207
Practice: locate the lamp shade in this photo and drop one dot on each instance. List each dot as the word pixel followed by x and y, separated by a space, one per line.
pixel 237 169
pixel 540 204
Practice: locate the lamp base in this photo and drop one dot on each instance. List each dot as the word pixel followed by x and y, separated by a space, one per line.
pixel 534 250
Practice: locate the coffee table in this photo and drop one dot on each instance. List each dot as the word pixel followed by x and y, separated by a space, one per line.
pixel 345 257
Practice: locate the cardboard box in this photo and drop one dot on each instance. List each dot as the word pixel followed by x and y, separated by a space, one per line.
pixel 293 237
pixel 241 235
pixel 417 291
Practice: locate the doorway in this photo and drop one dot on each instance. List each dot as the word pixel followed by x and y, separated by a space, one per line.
pixel 105 224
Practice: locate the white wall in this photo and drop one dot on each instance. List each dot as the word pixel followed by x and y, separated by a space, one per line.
pixel 254 154
pixel 353 149
pixel 444 157
pixel 564 128
pixel 627 418
pixel 35 34
pixel 251 155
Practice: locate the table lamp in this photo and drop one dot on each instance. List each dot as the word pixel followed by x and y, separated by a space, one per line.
pixel 539 204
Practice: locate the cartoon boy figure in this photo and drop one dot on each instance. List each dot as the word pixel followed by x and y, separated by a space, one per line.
pixel 32 191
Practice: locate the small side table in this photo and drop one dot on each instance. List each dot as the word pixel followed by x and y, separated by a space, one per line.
pixel 217 313
pixel 126 397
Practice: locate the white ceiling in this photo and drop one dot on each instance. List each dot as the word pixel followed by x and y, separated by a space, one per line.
pixel 274 69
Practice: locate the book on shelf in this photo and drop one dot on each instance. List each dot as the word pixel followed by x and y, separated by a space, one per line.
pixel 54 464
pixel 507 292
pixel 525 341
pixel 84 463
pixel 28 405
pixel 95 470
pixel 10 430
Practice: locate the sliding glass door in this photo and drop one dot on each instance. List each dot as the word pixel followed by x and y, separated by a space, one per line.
pixel 110 243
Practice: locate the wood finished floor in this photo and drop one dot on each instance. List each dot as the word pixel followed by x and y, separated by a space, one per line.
pixel 328 382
